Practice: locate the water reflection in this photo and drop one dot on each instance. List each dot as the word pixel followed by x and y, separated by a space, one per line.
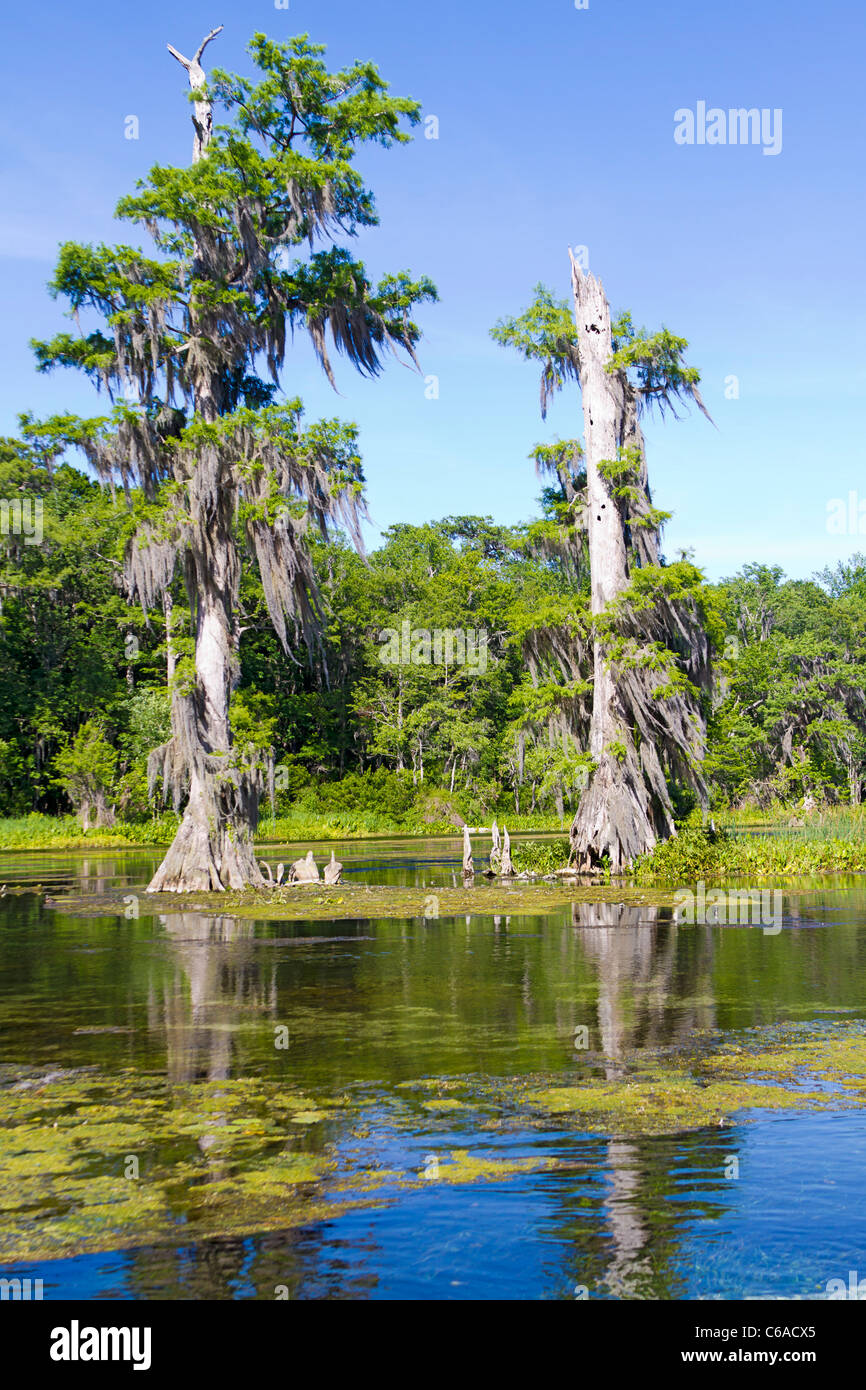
pixel 371 1005
pixel 221 983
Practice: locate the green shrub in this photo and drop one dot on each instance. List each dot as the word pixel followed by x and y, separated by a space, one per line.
pixel 377 792
pixel 540 856
pixel 699 852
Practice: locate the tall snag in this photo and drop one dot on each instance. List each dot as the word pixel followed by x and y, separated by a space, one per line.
pixel 650 650
pixel 229 473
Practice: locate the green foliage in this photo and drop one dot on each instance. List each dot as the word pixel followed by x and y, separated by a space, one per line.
pixel 699 852
pixel 87 766
pixel 148 712
pixel 69 642
pixel 788 709
pixel 654 364
pixel 379 791
pixel 623 474
pixel 545 333
pixel 790 714
pixel 254 722
pixel 278 173
pixel 540 856
pixel 11 762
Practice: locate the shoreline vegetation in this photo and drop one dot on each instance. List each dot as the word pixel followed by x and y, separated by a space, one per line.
pixel 36 831
pixel 740 842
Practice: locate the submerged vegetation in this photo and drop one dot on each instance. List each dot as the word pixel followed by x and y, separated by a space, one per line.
pixel 349 901
pixel 126 1153
pixel 130 1157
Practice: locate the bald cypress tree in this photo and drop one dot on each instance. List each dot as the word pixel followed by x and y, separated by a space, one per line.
pixel 190 344
pixel 644 640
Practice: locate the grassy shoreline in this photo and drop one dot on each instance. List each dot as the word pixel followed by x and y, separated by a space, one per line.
pixel 782 845
pixel 40 832
pixel 744 845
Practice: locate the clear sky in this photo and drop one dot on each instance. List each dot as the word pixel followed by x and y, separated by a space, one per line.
pixel 556 128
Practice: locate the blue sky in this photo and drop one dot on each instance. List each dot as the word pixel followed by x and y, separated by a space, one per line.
pixel 556 128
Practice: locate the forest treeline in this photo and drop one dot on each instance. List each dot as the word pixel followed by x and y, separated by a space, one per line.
pixel 85 675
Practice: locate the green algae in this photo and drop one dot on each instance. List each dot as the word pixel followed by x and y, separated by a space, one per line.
pixel 794 1067
pixel 91 1162
pixel 268 1179
pixel 664 1102
pixel 769 1069
pixel 465 1166
pixel 454 1167
pixel 353 901
pixel 834 1054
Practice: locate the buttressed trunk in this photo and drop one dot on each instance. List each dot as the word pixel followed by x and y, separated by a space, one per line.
pixel 213 848
pixel 617 815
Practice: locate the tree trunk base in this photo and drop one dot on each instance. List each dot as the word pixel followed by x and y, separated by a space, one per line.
pixel 210 853
pixel 614 820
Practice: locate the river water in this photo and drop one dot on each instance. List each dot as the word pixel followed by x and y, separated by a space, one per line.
pixel 371 1019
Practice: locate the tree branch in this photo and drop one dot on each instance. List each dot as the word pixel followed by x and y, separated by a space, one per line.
pixel 184 62
pixel 191 62
pixel 204 43
pixel 202 119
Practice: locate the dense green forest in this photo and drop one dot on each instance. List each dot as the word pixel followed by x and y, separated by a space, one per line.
pixel 411 742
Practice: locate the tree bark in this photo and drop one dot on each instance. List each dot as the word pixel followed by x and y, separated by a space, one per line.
pixel 202 115
pixel 213 848
pixel 614 817
pixel 854 782
pixel 170 659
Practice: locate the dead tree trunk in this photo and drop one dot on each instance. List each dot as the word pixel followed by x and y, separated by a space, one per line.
pixel 615 817
pixel 202 119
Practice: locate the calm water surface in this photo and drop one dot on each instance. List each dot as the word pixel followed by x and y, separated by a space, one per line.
pixel 370 1005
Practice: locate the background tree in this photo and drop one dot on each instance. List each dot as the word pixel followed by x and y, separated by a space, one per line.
pixel 224 469
pixel 87 769
pixel 69 642
pixel 788 707
pixel 790 712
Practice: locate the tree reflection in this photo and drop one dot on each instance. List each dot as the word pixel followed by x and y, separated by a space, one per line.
pixel 220 983
pixel 654 990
